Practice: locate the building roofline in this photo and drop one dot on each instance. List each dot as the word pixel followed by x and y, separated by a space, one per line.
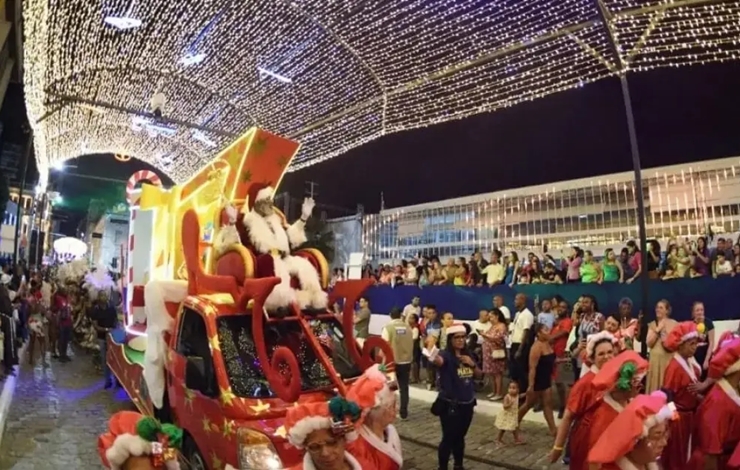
pixel 623 177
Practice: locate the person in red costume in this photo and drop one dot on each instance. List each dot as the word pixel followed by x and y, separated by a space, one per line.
pixel 323 429
pixel 717 431
pixel 618 381
pixel 682 372
pixel 635 439
pixel 136 442
pixel 599 350
pixel 378 441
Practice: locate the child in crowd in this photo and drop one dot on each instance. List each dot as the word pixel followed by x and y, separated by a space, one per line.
pixel 508 418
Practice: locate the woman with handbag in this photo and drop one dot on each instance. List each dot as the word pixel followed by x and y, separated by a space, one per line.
pixel 494 353
pixel 456 399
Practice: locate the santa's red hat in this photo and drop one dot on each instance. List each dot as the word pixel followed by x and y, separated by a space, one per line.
pixel 338 415
pixel 620 372
pixel 631 425
pixel 258 192
pixel 680 333
pixel 372 390
pixel 725 361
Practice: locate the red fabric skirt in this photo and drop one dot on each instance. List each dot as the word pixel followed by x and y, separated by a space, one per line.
pixel 677 451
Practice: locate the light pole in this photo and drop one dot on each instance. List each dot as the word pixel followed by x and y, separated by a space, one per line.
pixel 605 17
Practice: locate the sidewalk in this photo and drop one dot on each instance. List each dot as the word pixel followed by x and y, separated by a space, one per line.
pixel 422 428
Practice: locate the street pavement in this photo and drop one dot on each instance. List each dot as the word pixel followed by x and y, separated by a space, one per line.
pixel 421 435
pixel 59 410
pixel 56 415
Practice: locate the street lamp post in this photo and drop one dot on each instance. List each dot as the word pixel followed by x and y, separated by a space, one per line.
pixel 605 16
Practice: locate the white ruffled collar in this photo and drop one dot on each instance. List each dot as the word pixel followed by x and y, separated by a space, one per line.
pixel 689 366
pixel 390 447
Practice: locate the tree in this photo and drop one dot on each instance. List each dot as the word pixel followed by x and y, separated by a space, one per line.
pixel 320 237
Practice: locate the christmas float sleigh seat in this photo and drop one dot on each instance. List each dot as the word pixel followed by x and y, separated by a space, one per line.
pixel 241 260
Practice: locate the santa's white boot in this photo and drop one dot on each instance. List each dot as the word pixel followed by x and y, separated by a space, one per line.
pixel 319 300
pixel 282 296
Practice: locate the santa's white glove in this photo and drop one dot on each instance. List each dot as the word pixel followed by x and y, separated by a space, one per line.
pixel 307 209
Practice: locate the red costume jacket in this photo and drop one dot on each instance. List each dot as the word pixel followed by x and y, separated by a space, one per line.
pixel 678 376
pixel 592 423
pixel 382 454
pixel 717 428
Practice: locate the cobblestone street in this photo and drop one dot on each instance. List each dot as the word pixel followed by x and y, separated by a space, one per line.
pixel 421 434
pixel 56 416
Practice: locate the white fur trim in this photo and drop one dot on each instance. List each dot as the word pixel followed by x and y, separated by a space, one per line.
pixel 595 338
pixel 390 447
pixel 300 431
pixel 665 414
pixel 264 193
pixel 266 233
pixel 297 233
pixel 159 321
pixel 282 294
pixel 231 213
pixel 455 329
pixel 125 446
pixel 353 463
pixel 688 336
pixel 733 368
pixel 312 295
pixel 229 467
pixel 5 279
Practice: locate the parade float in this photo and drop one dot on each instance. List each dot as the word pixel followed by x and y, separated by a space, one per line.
pixel 200 348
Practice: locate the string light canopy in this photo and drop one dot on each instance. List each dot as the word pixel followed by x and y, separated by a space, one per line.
pixel 331 74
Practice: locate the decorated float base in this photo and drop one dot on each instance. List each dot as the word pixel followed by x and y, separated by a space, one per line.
pixel 126 361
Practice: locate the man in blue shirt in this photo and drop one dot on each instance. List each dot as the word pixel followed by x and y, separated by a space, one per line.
pixel 546 315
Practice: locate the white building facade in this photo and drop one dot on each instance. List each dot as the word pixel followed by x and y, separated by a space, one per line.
pixel 593 213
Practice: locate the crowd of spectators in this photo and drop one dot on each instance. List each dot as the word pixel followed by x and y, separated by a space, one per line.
pixel 681 259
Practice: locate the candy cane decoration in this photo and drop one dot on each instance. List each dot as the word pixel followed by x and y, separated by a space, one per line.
pixel 141 175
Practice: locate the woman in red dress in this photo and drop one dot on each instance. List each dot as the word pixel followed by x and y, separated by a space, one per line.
pixel 718 417
pixel 599 350
pixel 324 429
pixel 682 372
pixel 635 439
pixel 618 381
pixel 378 441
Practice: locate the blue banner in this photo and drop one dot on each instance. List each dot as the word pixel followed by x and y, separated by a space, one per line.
pixel 719 296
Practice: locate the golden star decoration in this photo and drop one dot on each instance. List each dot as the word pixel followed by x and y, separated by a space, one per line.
pixel 216 463
pixel 189 396
pixel 227 397
pixel 247 176
pixel 281 432
pixel 260 407
pixel 213 341
pixel 259 145
pixel 228 428
pixel 207 425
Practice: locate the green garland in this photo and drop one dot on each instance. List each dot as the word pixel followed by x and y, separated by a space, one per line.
pixel 626 375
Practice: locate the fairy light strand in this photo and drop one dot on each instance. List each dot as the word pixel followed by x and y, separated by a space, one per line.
pixel 340 73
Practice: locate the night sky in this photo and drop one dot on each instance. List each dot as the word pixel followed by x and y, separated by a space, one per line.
pixel 682 115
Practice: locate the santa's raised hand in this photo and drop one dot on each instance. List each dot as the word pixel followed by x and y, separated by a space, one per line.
pixel 307 209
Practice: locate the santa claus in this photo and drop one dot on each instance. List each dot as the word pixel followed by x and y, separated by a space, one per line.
pixel 268 235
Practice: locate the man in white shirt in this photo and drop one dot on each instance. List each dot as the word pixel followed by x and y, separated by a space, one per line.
pixel 413 307
pixel 494 272
pixel 523 322
pixel 498 302
pixel 482 325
